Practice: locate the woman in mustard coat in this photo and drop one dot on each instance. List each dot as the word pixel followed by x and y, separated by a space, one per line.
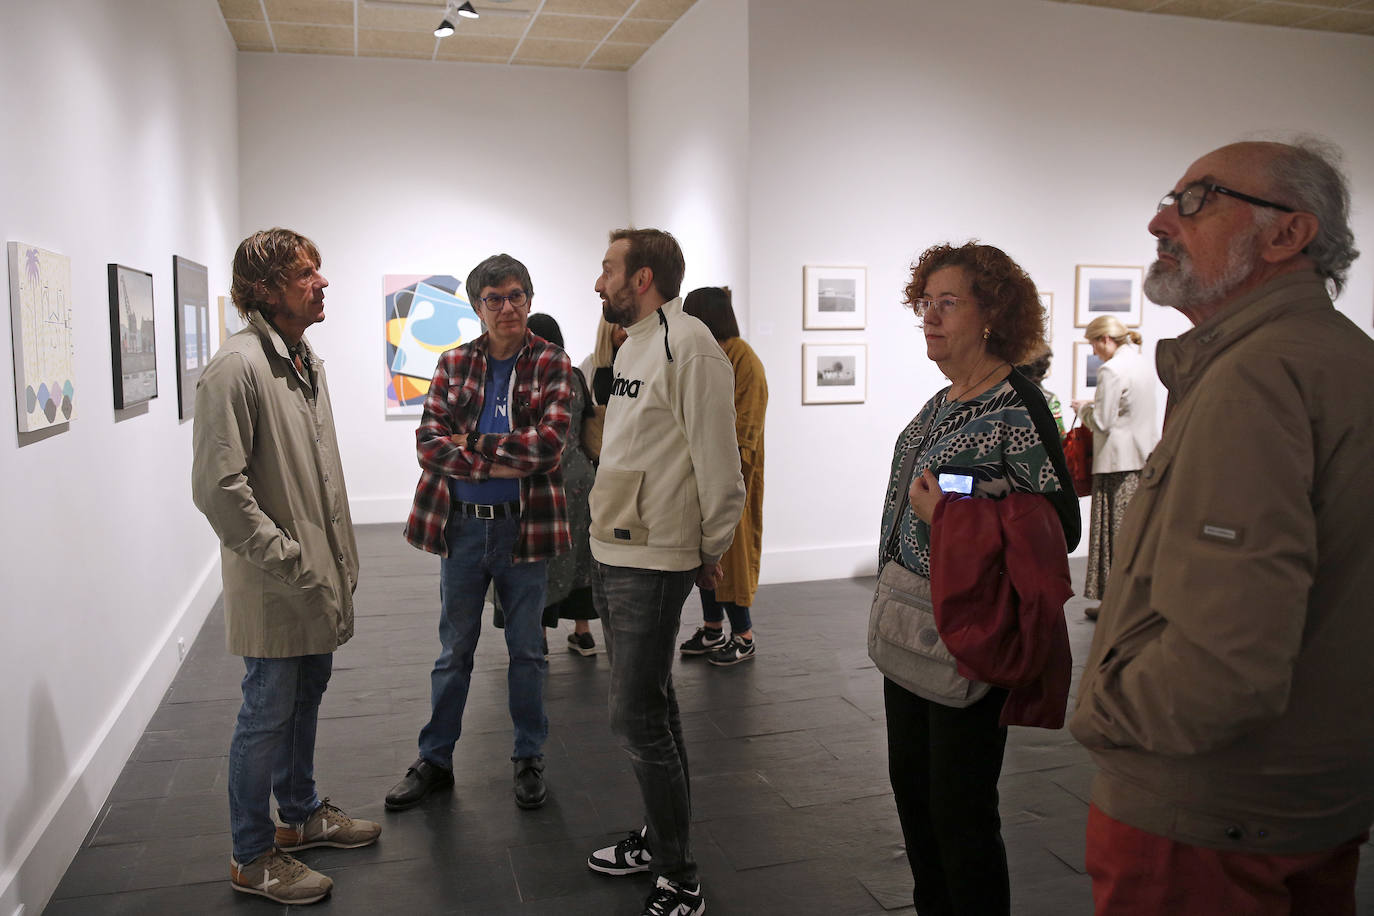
pixel 735 593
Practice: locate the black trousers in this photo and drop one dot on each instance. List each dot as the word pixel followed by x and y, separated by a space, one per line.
pixel 944 764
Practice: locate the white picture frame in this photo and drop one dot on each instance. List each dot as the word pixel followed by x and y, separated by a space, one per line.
pixel 835 373
pixel 1085 368
pixel 1108 290
pixel 834 298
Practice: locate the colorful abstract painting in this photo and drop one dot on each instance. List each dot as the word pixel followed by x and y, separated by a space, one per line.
pixel 425 315
pixel 41 325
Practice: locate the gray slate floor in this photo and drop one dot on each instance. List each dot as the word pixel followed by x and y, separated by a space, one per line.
pixel 792 809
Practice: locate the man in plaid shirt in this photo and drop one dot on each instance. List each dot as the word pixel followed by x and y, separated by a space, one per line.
pixel 490 502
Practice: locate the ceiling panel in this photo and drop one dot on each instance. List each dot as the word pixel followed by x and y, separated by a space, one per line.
pixel 613 34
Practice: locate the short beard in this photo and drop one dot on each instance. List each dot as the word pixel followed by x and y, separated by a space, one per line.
pixel 1180 288
pixel 619 309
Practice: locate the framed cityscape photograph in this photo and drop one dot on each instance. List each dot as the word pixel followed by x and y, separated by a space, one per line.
pixel 834 298
pixel 834 373
pixel 191 290
pixel 1101 290
pixel 133 343
pixel 1085 367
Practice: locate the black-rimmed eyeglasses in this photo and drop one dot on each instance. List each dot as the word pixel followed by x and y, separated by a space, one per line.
pixel 1193 196
pixel 496 303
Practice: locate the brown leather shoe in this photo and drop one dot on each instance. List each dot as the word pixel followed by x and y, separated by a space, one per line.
pixel 1091 612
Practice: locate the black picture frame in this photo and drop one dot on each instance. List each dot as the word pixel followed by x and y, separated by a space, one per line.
pixel 133 337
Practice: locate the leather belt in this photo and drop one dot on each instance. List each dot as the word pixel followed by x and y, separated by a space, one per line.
pixel 478 510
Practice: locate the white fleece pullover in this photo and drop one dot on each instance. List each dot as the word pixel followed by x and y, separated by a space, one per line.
pixel 668 493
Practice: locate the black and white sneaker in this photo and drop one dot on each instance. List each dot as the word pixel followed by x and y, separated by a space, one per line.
pixel 671 899
pixel 738 649
pixel 704 641
pixel 627 857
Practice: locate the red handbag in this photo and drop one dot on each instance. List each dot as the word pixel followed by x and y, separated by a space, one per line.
pixel 1078 455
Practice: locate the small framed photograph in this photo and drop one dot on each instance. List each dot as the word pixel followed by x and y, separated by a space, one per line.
pixel 1085 367
pixel 191 291
pixel 133 343
pixel 1103 290
pixel 836 298
pixel 834 373
pixel 1047 303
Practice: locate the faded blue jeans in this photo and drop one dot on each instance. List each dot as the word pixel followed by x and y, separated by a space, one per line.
pixel 273 748
pixel 481 551
pixel 641 610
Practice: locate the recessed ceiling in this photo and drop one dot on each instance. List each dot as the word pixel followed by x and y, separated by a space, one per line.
pixel 1353 16
pixel 582 34
pixel 613 34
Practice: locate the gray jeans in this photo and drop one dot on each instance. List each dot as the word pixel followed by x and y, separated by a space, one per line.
pixel 641 610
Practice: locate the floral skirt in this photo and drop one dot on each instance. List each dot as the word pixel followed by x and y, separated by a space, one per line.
pixel 1111 495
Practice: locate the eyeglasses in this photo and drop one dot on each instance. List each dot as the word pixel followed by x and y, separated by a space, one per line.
pixel 1192 197
pixel 940 306
pixel 496 303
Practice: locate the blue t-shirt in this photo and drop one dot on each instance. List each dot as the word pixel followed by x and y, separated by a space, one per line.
pixel 495 418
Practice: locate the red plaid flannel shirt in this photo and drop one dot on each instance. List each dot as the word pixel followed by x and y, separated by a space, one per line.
pixel 539 426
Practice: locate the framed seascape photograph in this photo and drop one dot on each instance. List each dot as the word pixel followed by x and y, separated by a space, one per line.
pixel 1107 291
pixel 133 345
pixel 191 290
pixel 1085 367
pixel 41 329
pixel 835 298
pixel 1047 303
pixel 834 373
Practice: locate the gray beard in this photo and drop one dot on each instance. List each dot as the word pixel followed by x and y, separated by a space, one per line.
pixel 1178 287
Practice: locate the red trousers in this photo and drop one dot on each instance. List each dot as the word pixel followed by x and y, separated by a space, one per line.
pixel 1139 874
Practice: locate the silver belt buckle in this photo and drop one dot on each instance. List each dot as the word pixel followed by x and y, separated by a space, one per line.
pixel 484 511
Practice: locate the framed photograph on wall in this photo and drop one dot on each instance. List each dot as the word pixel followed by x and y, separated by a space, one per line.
pixel 230 321
pixel 1047 303
pixel 1103 290
pixel 1085 367
pixel 834 373
pixel 835 298
pixel 133 345
pixel 191 290
pixel 41 331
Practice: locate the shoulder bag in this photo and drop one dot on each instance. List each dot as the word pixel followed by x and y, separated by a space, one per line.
pixel 903 640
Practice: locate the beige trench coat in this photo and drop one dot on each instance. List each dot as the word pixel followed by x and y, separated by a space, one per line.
pixel 267 475
pixel 741 562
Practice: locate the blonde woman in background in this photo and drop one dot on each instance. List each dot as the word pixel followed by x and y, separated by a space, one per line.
pixel 1122 418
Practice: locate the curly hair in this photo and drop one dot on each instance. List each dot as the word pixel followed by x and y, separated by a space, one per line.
pixel 261 264
pixel 1006 295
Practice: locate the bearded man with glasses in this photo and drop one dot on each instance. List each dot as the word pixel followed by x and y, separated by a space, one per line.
pixel 1223 700
pixel 490 502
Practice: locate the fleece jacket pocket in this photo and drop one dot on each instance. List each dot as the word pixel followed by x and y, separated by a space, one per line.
pixel 615 507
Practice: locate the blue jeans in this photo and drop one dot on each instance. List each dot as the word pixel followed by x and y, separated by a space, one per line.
pixel 481 551
pixel 641 610
pixel 273 749
pixel 713 611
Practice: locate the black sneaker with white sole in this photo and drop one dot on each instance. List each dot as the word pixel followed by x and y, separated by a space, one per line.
pixel 668 898
pixel 737 650
pixel 629 856
pixel 704 641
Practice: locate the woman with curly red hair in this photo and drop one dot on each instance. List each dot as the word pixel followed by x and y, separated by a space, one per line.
pixel 980 316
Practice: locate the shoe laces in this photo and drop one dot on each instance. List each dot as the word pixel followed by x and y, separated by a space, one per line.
pixel 662 900
pixel 285 867
pixel 631 842
pixel 333 813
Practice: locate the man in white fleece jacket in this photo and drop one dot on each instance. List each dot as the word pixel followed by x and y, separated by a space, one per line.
pixel 668 496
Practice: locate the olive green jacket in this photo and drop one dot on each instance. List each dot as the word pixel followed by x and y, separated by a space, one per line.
pixel 266 473
pixel 1225 699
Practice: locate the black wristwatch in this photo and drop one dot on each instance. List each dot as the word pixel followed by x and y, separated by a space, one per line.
pixel 472 441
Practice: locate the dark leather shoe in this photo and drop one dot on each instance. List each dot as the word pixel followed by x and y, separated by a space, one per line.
pixel 530 791
pixel 421 779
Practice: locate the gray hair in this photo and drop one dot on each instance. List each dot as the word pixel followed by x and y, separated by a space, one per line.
pixel 492 272
pixel 1306 175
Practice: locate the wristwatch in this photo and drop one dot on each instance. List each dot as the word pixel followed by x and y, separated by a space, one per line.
pixel 472 440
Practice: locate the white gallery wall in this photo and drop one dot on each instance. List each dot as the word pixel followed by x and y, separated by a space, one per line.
pixel 119 145
pixel 399 167
pixel 1047 129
